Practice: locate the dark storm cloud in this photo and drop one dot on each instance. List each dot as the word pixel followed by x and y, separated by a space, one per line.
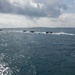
pixel 32 8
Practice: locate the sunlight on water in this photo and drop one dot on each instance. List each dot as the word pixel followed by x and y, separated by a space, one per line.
pixel 37 52
pixel 4 68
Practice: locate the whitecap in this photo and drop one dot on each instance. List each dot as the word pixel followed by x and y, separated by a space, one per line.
pixel 62 33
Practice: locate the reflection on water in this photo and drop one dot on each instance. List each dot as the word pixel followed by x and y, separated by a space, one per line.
pixel 4 67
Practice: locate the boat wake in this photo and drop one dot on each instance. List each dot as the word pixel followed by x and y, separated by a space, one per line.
pixel 55 33
pixel 62 33
pixel 34 32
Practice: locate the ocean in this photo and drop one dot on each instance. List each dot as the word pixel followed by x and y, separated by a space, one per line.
pixel 37 53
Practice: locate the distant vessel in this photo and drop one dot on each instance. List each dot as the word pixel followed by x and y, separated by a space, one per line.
pixel 32 31
pixel 48 32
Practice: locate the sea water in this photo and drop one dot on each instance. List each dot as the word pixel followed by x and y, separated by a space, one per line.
pixel 38 53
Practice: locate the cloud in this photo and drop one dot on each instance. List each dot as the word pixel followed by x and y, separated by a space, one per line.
pixel 32 8
pixel 11 21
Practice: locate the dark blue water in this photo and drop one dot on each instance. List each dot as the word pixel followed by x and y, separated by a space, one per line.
pixel 25 53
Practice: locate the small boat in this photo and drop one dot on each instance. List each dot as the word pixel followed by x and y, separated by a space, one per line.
pixel 32 31
pixel 48 32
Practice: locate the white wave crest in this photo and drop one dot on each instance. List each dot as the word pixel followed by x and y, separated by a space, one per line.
pixel 62 33
pixel 31 32
pixel 55 33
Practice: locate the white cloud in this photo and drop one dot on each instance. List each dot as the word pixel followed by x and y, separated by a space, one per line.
pixel 65 20
pixel 32 8
pixel 35 13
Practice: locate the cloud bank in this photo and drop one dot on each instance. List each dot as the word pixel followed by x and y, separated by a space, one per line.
pixel 32 8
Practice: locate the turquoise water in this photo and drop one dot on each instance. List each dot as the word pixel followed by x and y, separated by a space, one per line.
pixel 38 53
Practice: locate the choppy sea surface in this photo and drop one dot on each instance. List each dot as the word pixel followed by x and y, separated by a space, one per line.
pixel 38 53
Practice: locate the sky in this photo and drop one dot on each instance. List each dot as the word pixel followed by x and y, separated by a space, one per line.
pixel 37 13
